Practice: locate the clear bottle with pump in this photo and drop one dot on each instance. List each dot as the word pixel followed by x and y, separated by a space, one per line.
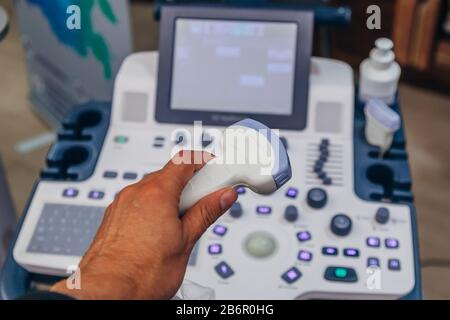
pixel 379 74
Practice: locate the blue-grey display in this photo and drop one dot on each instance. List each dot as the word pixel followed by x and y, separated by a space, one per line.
pixel 234 66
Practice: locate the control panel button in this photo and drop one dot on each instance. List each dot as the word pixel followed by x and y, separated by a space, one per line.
pixel 240 190
pixel 292 275
pixel 130 176
pixel 96 195
pixel 70 193
pixel 382 215
pixel 220 230
pixel 394 264
pixel 341 225
pixel 391 243
pixel 224 270
pixel 292 193
pixel 110 174
pixel 330 251
pixel 215 248
pixel 342 274
pixel 263 209
pixel 260 244
pixel 351 252
pixel 304 255
pixel 291 213
pixel 121 139
pixel 373 242
pixel 236 210
pixel 316 198
pixel 373 262
pixel 303 236
pixel 180 138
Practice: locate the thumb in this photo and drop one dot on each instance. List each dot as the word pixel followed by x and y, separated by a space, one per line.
pixel 205 212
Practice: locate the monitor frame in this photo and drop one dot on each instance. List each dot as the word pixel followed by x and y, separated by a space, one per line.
pixel 295 121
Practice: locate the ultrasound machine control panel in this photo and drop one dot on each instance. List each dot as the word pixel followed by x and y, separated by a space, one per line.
pixel 314 237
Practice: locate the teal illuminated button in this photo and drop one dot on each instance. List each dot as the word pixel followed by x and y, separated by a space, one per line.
pixel 260 244
pixel 121 139
pixel 340 272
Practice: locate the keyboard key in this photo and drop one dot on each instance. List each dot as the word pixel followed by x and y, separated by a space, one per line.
pixel 330 251
pixel 394 264
pixel 351 252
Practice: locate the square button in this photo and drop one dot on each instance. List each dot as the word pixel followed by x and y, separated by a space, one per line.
pixel 373 242
pixel 391 243
pixel 351 252
pixel 96 195
pixel 303 236
pixel 373 262
pixel 394 264
pixel 70 193
pixel 220 230
pixel 121 139
pixel 292 275
pixel 292 193
pixel 304 255
pixel 224 270
pixel 330 251
pixel 215 249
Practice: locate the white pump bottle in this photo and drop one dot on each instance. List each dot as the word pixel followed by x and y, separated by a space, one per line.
pixel 379 74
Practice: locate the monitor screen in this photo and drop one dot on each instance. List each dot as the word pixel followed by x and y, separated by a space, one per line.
pixel 234 66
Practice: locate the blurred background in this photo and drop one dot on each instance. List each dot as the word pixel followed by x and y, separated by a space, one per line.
pixel 421 34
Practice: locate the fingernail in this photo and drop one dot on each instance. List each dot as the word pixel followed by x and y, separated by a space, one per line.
pixel 227 199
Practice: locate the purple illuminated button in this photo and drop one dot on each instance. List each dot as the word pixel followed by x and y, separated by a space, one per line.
pixel 330 251
pixel 351 252
pixel 304 255
pixel 240 190
pixel 215 249
pixel 96 195
pixel 394 264
pixel 303 236
pixel 70 193
pixel 292 193
pixel 373 242
pixel 263 209
pixel 373 262
pixel 391 243
pixel 292 275
pixel 220 230
pixel 224 270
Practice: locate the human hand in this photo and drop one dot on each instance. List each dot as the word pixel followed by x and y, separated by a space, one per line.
pixel 142 247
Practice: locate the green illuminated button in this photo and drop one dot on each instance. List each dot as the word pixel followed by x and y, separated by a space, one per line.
pixel 340 272
pixel 121 139
pixel 260 244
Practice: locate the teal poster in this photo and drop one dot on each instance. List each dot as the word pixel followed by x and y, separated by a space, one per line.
pixel 69 66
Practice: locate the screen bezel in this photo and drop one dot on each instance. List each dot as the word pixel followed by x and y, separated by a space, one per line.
pixel 295 121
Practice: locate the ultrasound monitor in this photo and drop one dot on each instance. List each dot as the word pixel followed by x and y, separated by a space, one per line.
pixel 222 65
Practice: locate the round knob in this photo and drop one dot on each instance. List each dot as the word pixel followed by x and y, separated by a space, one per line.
pixel 260 244
pixel 291 213
pixel 236 210
pixel 341 225
pixel 382 215
pixel 316 198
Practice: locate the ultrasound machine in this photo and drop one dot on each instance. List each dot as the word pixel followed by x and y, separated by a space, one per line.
pixel 335 230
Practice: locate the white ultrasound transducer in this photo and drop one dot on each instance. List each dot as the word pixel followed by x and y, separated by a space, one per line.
pixel 250 155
